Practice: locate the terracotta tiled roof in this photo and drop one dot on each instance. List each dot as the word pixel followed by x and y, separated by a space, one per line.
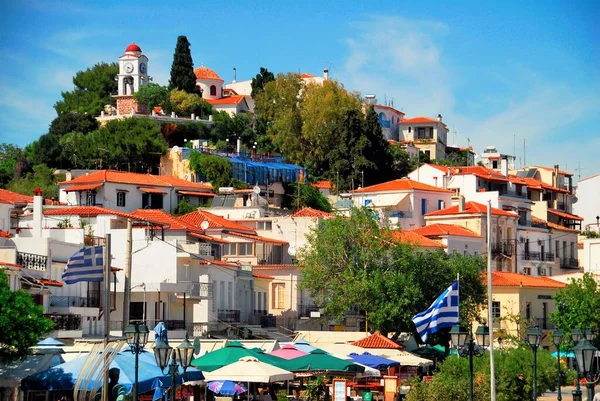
pixel 444 169
pixel 258 275
pixel 233 99
pixel 413 238
pixel 418 120
pixel 323 184
pixel 150 190
pixel 383 106
pixel 48 282
pixel 438 230
pixel 7 264
pixel 479 171
pixel 532 183
pixel 561 228
pixel 206 73
pixel 402 184
pixel 506 279
pixel 144 180
pixel 82 187
pixel 5 234
pixel 209 238
pixel 162 217
pixel 471 208
pixel 219 263
pixel 274 267
pixel 91 211
pixel 551 169
pixel 565 215
pixel 11 197
pixel 197 217
pixel 310 212
pixel 258 238
pixel 377 340
pixel 306 75
pixel 196 193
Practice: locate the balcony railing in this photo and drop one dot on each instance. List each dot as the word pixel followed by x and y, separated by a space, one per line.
pixel 65 321
pixel 400 214
pixel 169 324
pixel 196 248
pixel 32 261
pixel 541 256
pixel 229 315
pixel 505 248
pixel 68 301
pixel 569 263
pixel 198 290
pixel 543 323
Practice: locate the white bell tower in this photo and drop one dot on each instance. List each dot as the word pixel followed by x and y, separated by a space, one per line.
pixel 133 70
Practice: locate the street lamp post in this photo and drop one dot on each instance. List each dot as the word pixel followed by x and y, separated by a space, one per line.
pixel 534 338
pixel 584 354
pixel 557 336
pixel 465 346
pixel 137 337
pixel 577 335
pixel 165 357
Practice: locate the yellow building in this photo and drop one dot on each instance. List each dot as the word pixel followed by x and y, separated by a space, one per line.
pixel 520 301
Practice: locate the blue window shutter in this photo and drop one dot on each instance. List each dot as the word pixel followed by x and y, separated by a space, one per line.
pixel 423 206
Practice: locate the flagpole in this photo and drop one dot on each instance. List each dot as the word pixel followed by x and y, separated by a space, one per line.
pixel 490 312
pixel 107 272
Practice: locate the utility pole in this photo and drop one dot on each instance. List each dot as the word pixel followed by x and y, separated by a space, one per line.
pixel 127 283
pixel 107 272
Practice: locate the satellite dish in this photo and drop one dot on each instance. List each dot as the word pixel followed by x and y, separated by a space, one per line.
pixel 256 189
pixel 175 148
pixel 292 251
pixel 204 225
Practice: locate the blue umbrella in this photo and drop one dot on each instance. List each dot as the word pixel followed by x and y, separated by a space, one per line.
pixel 373 361
pixel 50 342
pixel 64 376
pixel 564 354
pixel 160 333
pixel 226 387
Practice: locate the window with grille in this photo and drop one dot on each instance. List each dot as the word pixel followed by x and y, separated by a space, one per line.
pixel 496 309
pixel 121 199
pixel 278 295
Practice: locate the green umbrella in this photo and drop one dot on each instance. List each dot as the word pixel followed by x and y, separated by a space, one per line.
pixel 319 360
pixel 232 352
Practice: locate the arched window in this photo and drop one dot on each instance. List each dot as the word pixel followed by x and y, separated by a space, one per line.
pixel 213 90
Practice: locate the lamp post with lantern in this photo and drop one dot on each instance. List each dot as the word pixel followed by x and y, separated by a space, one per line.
pixel 557 337
pixel 165 357
pixel 466 346
pixel 534 338
pixel 584 354
pixel 137 338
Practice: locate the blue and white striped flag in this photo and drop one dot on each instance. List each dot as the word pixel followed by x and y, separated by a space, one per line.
pixel 443 312
pixel 87 264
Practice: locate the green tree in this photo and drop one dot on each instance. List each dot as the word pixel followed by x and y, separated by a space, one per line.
pixel 184 207
pixel 227 127
pixel 152 95
pixel 401 161
pixel 184 104
pixel 183 134
pixel 12 163
pixel 72 122
pixel 182 69
pixel 45 150
pixel 260 80
pixel 354 262
pixel 21 322
pixel 42 177
pixel 303 195
pixel 212 168
pixel 378 151
pixel 577 305
pixel 93 89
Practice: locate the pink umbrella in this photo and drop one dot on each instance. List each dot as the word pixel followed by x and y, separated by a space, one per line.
pixel 288 351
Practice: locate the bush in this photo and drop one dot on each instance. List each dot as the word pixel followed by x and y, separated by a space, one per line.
pixel 514 377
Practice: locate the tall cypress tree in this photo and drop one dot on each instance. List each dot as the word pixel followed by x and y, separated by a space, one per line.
pixel 378 152
pixel 182 69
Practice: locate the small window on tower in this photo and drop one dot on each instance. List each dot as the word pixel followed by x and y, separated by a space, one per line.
pixel 213 90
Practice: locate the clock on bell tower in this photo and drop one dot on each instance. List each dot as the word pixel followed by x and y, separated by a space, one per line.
pixel 133 66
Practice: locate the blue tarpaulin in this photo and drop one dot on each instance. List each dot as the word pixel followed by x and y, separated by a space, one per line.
pixel 373 361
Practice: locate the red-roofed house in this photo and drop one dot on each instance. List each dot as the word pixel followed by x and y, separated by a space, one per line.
pixel 529 297
pixel 389 119
pixel 456 239
pixel 402 203
pixel 416 240
pixel 127 192
pixel 211 90
pixel 428 134
pixel 377 340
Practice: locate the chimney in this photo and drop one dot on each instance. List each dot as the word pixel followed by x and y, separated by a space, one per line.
pixel 326 74
pixel 461 203
pixel 555 176
pixel 504 166
pixel 439 117
pixel 38 202
pixel 234 75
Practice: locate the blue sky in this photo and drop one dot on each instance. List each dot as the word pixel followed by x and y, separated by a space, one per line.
pixel 499 72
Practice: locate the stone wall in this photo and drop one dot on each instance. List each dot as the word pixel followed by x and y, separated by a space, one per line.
pixel 126 103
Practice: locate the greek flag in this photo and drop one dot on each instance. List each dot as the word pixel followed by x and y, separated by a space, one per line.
pixel 87 264
pixel 443 312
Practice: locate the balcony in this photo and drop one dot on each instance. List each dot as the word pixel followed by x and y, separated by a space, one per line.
pixel 569 263
pixel 541 256
pixel 116 325
pixel 65 322
pixel 505 248
pixel 228 315
pixel 399 214
pixel 198 290
pixel 80 302
pixel 543 323
pixel 195 248
pixel 32 261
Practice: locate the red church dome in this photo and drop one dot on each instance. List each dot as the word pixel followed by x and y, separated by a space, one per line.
pixel 206 73
pixel 133 48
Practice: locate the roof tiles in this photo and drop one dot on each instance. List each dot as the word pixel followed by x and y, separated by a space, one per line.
pixel 310 212
pixel 144 180
pixel 88 211
pixel 402 184
pixel 415 239
pixel 439 230
pixel 418 120
pixel 162 217
pixel 506 279
pixel 197 217
pixel 377 340
pixel 471 208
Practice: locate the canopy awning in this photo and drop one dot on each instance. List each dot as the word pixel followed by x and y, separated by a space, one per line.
pixel 250 369
pixel 82 187
pixel 149 190
pixel 196 193
pixel 565 215
pixel 258 238
pixel 12 373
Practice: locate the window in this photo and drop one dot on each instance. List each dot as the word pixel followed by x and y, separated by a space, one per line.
pixel 259 301
pixel 89 198
pixel 423 206
pixel 229 295
pixel 278 295
pixel 496 309
pixel 228 249
pixel 441 204
pixel 121 199
pixel 214 286
pixel 152 201
pixel 494 164
pixel 213 90
pixel 573 250
pixel 245 248
pixel 557 248
pixel 222 295
pixel 528 310
pixel 409 130
pixel 264 225
pixel 136 311
pixel 265 300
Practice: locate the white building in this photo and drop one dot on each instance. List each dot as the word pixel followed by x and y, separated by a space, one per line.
pixel 389 119
pixel 491 159
pixel 588 202
pixel 429 135
pixel 456 239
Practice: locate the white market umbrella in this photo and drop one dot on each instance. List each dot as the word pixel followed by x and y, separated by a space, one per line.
pixel 250 370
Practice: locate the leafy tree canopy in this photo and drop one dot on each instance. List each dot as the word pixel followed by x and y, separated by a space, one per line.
pixel 211 168
pixel 260 80
pixel 182 69
pixel 152 95
pixel 352 262
pixel 46 150
pixel 577 305
pixel 184 104
pixel 42 177
pixel 304 195
pixel 232 128
pixel 21 322
pixel 12 163
pixel 93 89
pixel 73 122
pixel 182 134
pixel 402 162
